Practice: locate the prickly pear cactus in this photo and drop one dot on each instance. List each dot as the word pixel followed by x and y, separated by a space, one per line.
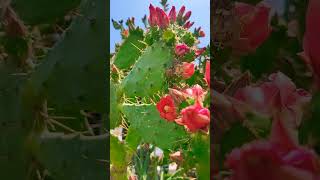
pixel 159 115
pixel 53 90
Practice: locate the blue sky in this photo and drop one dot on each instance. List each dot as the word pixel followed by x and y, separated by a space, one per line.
pixel 123 9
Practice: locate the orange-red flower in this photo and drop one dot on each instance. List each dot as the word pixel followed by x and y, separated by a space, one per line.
pixel 166 108
pixel 187 70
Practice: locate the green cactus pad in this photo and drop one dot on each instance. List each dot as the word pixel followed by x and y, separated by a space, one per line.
pixel 43 11
pixel 74 157
pixel 200 145
pixel 148 75
pixel 14 159
pixel 130 49
pixel 117 152
pixel 115 106
pixel 72 75
pixel 146 126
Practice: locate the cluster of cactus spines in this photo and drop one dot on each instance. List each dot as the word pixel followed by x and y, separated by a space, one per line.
pixel 142 69
pixel 70 79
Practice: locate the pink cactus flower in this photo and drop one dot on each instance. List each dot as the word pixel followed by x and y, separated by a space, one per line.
pixel 187 70
pixel 200 51
pixel 158 17
pixel 280 95
pixel 197 93
pixel 255 26
pixel 188 25
pixel 181 49
pixel 277 158
pixel 153 17
pixel 172 14
pixel 194 118
pixel 163 19
pixel 311 47
pixel 187 16
pixel 181 11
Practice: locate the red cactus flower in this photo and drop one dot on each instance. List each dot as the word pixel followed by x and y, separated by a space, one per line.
pixel 311 47
pixel 280 95
pixel 194 118
pixel 167 108
pixel 181 11
pixel 158 17
pixel 255 26
pixel 207 73
pixel 163 19
pixel 181 49
pixel 188 25
pixel 153 17
pixel 198 52
pixel 276 158
pixel 187 16
pixel 196 92
pixel 172 14
pixel 177 95
pixel 187 70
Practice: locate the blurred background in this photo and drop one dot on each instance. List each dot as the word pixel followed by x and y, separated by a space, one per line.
pixel 123 9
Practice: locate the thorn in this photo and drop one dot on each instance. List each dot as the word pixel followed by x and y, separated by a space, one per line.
pixel 137 47
pixel 142 42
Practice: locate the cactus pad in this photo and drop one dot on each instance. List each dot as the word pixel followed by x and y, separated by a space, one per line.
pixel 74 157
pixel 148 75
pixel 130 49
pixel 146 126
